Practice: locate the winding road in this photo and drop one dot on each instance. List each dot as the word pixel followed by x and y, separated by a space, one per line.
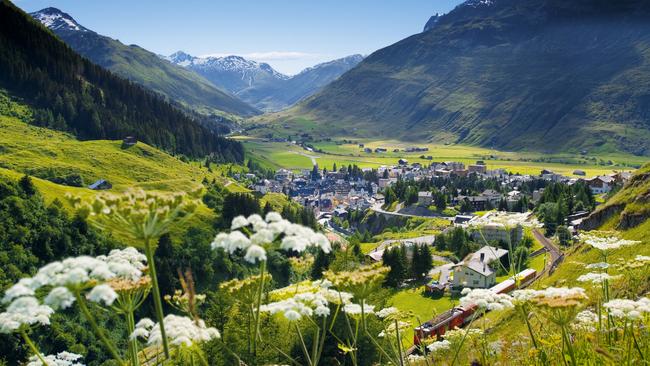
pixel 556 254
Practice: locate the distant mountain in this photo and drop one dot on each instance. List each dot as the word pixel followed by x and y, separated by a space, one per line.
pixel 68 92
pixel 261 85
pixel 546 75
pixel 432 22
pixel 177 84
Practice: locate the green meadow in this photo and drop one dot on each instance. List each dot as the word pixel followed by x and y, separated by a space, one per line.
pixel 286 155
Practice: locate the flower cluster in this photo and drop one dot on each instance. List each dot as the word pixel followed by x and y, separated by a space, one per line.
pixel 181 331
pixel 264 232
pixel 606 243
pixel 356 309
pixel 245 289
pixel 456 335
pixel 136 213
pixel 629 309
pixel 79 273
pixel 361 282
pixel 552 297
pixel 23 312
pixel 596 278
pixel 387 312
pixel 142 329
pixel 439 346
pixel 302 304
pixel 486 299
pixel 585 321
pixel 60 359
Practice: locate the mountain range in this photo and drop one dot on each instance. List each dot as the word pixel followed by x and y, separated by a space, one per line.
pixel 258 83
pixel 175 83
pixel 546 75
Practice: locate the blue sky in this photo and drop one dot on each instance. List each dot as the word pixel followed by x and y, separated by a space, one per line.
pixel 288 34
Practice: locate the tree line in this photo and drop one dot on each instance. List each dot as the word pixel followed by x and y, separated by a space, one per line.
pixel 68 92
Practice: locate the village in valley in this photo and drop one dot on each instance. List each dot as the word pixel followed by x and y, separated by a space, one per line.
pixel 507 222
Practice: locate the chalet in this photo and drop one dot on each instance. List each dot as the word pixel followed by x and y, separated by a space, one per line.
pixel 101 184
pixel 402 162
pixel 283 175
pixel 475 270
pixel 380 150
pixel 600 184
pixel 579 172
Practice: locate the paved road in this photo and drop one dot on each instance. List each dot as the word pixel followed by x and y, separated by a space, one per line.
pixel 550 247
pixel 377 208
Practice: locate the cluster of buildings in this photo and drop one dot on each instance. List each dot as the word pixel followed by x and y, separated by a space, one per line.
pixel 325 192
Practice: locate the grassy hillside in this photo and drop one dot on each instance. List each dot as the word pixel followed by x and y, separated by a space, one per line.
pixel 545 75
pixel 34 150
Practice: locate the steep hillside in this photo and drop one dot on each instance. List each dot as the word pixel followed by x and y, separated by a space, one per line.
pixel 176 83
pixel 70 93
pixel 537 74
pixel 261 85
pixel 629 208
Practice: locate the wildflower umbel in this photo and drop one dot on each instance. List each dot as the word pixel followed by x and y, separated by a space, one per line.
pixel 360 282
pixel 182 331
pixel 263 233
pixel 486 299
pixel 60 359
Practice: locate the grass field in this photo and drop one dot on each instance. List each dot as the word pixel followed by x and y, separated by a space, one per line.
pixel 286 155
pixel 36 151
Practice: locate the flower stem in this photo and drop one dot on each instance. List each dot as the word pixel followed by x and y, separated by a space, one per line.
pixel 258 304
pixel 133 343
pixel 100 333
pixel 33 347
pixel 156 294
pixel 567 340
pixel 304 346
pixel 399 344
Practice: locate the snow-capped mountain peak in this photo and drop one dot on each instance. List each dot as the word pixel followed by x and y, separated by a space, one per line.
pixel 232 63
pixel 55 19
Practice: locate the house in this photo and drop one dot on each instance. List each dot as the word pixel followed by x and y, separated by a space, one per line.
pixel 476 168
pixel 579 172
pixel 283 175
pixel 367 150
pixel 475 270
pixel 402 162
pixel 101 184
pixel 129 141
pixel 600 184
pixel 462 219
pixel 380 150
pixel 425 198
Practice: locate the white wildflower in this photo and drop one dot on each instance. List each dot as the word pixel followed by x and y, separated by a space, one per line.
pixel 630 309
pixel 386 312
pixel 59 298
pixel 263 236
pixel 24 311
pixel 61 359
pixel 273 217
pixel 585 321
pixel 596 278
pixel 599 265
pixel 257 222
pixel 182 331
pixel 15 291
pixel 238 222
pixel 102 293
pixel 355 309
pixel 439 346
pixel 608 243
pixel 255 253
pixel 486 299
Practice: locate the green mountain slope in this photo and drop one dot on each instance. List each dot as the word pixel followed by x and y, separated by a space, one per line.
pixel 145 68
pixel 69 92
pixel 536 74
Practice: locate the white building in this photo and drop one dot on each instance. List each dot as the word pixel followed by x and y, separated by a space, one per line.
pixel 475 271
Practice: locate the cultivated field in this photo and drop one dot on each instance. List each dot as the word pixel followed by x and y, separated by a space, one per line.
pixel 287 155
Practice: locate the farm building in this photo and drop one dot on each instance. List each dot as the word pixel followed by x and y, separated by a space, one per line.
pixel 101 184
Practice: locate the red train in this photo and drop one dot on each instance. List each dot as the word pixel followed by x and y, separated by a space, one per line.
pixel 459 316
